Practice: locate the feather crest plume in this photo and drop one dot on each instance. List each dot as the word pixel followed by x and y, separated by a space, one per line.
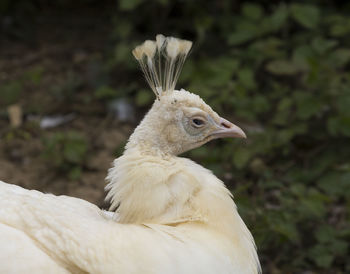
pixel 161 61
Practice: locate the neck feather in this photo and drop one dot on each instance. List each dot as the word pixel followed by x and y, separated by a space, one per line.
pixel 145 187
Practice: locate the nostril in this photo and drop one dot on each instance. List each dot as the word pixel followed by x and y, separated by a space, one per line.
pixel 226 124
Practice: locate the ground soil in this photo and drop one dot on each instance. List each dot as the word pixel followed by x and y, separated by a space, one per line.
pixel 58 46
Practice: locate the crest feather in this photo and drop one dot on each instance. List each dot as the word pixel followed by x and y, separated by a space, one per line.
pixel 161 61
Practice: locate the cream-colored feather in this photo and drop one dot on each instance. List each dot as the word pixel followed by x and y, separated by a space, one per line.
pixel 161 61
pixel 171 215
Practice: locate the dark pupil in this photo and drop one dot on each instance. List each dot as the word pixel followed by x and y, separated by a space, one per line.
pixel 198 122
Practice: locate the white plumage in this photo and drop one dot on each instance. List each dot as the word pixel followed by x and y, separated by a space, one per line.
pixel 171 215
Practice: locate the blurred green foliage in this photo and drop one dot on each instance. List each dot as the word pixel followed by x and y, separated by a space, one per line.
pixel 66 152
pixel 281 70
pixel 12 90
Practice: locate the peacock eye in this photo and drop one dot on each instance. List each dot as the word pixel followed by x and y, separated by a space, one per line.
pixel 197 122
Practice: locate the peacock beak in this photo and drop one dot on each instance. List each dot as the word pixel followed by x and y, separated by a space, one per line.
pixel 227 130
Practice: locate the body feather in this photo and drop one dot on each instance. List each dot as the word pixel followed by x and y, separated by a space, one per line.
pixel 163 237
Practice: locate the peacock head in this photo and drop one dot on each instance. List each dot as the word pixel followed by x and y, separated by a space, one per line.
pixel 178 120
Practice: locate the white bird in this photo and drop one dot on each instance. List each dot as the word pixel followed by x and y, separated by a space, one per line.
pixel 167 215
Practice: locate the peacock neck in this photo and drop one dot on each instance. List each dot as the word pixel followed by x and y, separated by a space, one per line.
pixel 147 187
pixel 147 148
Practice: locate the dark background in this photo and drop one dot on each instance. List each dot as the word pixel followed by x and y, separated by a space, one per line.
pixel 279 69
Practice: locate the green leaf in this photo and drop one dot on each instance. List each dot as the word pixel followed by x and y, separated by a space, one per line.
pixel 260 104
pixel 244 32
pixel 10 93
pixel 123 29
pixel 279 16
pixel 339 125
pixel 302 56
pixel 163 2
pixel 322 45
pixel 340 57
pixel 246 77
pixel 307 104
pixel 252 11
pixel 287 229
pixel 344 125
pixel 313 205
pixel 269 47
pixel 306 15
pixel 339 247
pixel 325 234
pixel 343 104
pixel 340 25
pixel 282 67
pixel 285 135
pixel 332 125
pixel 285 104
pixel 202 24
pixel 122 53
pixel 333 184
pixel 322 256
pixel 128 5
pixel 240 37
